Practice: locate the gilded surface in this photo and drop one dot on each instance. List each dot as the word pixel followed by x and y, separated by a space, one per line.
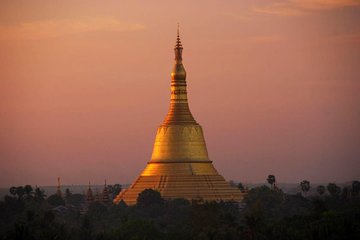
pixel 179 143
pixel 179 168
pixel 179 165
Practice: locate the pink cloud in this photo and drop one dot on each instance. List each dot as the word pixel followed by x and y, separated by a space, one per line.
pixel 266 39
pixel 279 9
pixel 324 4
pixel 56 28
pixel 301 7
pixel 345 38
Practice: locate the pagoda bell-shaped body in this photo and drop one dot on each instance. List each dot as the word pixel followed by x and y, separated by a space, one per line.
pixel 180 166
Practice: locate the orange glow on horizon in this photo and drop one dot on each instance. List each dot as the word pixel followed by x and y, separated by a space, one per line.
pixel 85 85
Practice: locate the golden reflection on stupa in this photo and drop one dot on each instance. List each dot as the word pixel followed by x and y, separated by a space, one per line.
pixel 180 166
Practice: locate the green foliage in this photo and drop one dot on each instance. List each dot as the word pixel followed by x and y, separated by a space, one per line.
pixel 319 205
pixel 305 186
pixel 271 180
pixel 149 197
pixel 138 229
pixel 321 189
pixel 75 199
pixel 39 194
pixel 10 208
pixel 333 189
pixel 345 194
pixel 20 191
pixel 55 200
pixel 28 190
pixel 241 187
pixel 97 209
pixel 295 205
pixel 266 198
pixel 355 188
pixel 115 189
pixel 341 224
pixel 67 193
pixel 266 214
pixel 211 220
pixel 12 191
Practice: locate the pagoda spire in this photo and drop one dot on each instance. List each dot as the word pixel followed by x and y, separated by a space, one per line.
pixel 178 72
pixel 179 112
pixel 178 47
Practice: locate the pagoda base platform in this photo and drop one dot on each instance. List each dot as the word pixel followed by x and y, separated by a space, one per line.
pixel 201 188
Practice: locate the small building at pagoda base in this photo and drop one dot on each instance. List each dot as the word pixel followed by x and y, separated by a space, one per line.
pixel 91 197
pixel 103 197
pixel 180 166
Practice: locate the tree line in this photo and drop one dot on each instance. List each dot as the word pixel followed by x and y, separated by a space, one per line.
pixel 266 213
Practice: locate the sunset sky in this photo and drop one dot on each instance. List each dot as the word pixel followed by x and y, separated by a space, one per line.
pixel 85 84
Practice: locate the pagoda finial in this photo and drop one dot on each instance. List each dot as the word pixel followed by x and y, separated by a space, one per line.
pixel 178 30
pixel 178 46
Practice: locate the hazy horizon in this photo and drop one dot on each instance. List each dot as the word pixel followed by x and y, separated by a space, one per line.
pixel 275 86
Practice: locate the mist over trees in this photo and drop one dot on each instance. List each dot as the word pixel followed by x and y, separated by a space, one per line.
pixel 331 212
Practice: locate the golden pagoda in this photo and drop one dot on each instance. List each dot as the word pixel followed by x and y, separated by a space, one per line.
pixel 180 166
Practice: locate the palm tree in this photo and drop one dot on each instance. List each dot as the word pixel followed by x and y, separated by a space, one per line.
pixel 241 187
pixel 20 191
pixel 272 181
pixel 355 188
pixel 333 189
pixel 345 193
pixel 321 189
pixel 67 193
pixel 39 194
pixel 117 189
pixel 28 191
pixel 305 187
pixel 12 190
